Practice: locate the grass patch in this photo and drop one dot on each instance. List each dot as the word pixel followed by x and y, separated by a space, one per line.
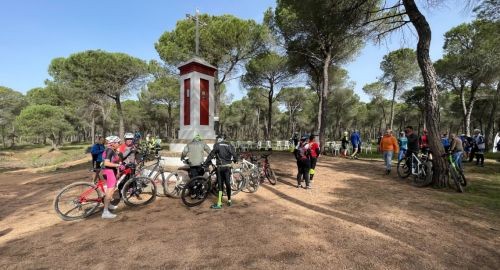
pixel 41 156
pixel 483 187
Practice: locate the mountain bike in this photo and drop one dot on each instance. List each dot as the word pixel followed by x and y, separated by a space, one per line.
pixel 454 172
pixel 265 168
pixel 196 190
pixel 419 167
pixel 81 199
pixel 251 173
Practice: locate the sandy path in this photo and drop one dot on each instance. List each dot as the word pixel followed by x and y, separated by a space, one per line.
pixel 355 218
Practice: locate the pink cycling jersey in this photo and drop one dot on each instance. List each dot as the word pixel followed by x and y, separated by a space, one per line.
pixel 110 172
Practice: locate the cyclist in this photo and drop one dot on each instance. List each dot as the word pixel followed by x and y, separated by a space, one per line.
pixel 127 149
pixel 424 142
pixel 413 147
pixel 194 153
pixel 111 165
pixel 456 148
pixel 224 153
pixel 315 151
pixel 303 162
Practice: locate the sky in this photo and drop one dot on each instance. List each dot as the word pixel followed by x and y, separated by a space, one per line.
pixel 33 32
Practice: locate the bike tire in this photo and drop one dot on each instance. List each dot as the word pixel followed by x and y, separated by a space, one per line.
pixel 402 169
pixel 239 181
pixel 270 175
pixel 195 191
pixel 89 192
pixel 171 185
pixel 456 180
pixel 135 189
pixel 463 180
pixel 253 184
pixel 427 178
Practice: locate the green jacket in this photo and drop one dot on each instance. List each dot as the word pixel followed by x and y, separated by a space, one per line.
pixel 194 151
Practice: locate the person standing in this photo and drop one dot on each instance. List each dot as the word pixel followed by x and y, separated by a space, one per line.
pixel 456 149
pixel 355 141
pixel 111 168
pixel 303 162
pixel 403 145
pixel 413 147
pixel 224 154
pixel 344 144
pixel 315 152
pixel 446 142
pixel 479 147
pixel 194 152
pixel 388 146
pixel 424 142
pixel 127 149
pixel 96 152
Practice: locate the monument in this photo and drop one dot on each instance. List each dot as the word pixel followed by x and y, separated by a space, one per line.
pixel 196 99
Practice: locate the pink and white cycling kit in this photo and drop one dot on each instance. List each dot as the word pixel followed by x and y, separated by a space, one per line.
pixel 110 172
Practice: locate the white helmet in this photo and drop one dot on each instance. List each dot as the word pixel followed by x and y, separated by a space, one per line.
pixel 113 139
pixel 128 136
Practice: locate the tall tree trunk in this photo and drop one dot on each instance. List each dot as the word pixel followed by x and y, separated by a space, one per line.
pixel 431 91
pixel 120 116
pixel 92 129
pixel 392 103
pixel 491 118
pixel 270 111
pixel 470 105
pixel 323 101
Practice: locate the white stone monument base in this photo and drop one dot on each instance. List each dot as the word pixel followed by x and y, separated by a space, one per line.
pixel 187 133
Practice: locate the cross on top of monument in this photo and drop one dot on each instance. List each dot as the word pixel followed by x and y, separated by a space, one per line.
pixel 196 18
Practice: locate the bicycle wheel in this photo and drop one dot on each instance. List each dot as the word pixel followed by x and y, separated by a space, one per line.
pixel 139 191
pixel 77 201
pixel 173 184
pixel 403 169
pixel 425 176
pixel 456 180
pixel 195 191
pixel 158 180
pixel 461 177
pixel 253 183
pixel 237 182
pixel 271 177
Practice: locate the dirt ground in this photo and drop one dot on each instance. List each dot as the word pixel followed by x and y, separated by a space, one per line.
pixel 355 217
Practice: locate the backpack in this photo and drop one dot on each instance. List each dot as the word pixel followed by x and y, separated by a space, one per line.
pixel 304 153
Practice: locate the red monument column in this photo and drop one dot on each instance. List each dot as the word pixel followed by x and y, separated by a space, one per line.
pixel 197 99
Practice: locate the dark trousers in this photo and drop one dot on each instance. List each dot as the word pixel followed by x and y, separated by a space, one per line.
pixel 195 171
pixel 479 158
pixel 313 166
pixel 224 178
pixel 95 164
pixel 472 154
pixel 304 166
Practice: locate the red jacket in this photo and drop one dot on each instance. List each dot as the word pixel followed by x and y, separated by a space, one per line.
pixel 314 149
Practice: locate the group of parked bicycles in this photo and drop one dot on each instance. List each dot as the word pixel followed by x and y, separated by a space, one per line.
pixel 140 184
pixel 420 167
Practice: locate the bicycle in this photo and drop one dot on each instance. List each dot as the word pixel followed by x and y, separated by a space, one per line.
pixel 196 190
pixel 420 168
pixel 81 199
pixel 265 168
pixel 251 173
pixel 454 172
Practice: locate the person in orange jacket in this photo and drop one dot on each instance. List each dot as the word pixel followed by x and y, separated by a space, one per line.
pixel 388 146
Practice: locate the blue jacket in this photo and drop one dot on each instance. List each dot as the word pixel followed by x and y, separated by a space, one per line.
pixel 96 151
pixel 355 139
